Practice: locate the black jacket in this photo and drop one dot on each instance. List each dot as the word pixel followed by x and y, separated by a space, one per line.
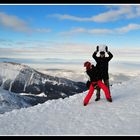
pixel 93 74
pixel 102 65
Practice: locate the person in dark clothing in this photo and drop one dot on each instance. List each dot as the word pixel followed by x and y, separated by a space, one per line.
pixel 102 66
pixel 95 80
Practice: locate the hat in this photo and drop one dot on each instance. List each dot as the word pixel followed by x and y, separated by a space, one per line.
pixel 87 63
pixel 102 52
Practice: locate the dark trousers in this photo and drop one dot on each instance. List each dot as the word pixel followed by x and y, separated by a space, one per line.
pixel 106 82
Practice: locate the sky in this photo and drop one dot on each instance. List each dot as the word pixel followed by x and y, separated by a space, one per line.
pixel 69 31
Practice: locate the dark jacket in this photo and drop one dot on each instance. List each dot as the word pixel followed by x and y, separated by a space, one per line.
pixel 93 74
pixel 102 65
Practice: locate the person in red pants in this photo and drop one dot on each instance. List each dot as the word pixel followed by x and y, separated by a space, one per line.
pixel 95 80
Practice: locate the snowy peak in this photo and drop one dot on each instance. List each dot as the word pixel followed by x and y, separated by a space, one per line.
pixel 9 71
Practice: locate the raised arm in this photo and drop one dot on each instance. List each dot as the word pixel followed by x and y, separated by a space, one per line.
pixel 109 53
pixel 95 53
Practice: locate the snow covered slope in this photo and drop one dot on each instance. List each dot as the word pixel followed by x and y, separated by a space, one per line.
pixel 69 117
pixel 10 101
pixel 23 79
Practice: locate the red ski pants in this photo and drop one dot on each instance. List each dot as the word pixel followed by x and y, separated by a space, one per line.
pixel 91 91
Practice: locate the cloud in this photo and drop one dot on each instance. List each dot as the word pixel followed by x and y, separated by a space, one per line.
pixel 129 27
pixel 88 31
pixel 102 31
pixel 68 51
pixel 118 12
pixel 114 13
pixel 16 24
pixel 41 50
pixel 13 22
pixel 42 30
pixel 69 17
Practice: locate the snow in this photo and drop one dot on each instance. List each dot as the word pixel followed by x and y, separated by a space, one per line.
pixel 9 71
pixel 40 95
pixel 69 117
pixel 10 101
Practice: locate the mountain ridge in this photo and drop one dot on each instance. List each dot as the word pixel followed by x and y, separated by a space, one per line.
pixel 22 79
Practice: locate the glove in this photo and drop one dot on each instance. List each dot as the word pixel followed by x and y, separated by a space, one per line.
pixel 97 48
pixel 106 49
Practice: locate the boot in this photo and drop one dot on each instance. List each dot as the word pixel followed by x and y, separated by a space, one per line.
pixel 97 99
pixel 85 104
pixel 98 94
pixel 109 99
